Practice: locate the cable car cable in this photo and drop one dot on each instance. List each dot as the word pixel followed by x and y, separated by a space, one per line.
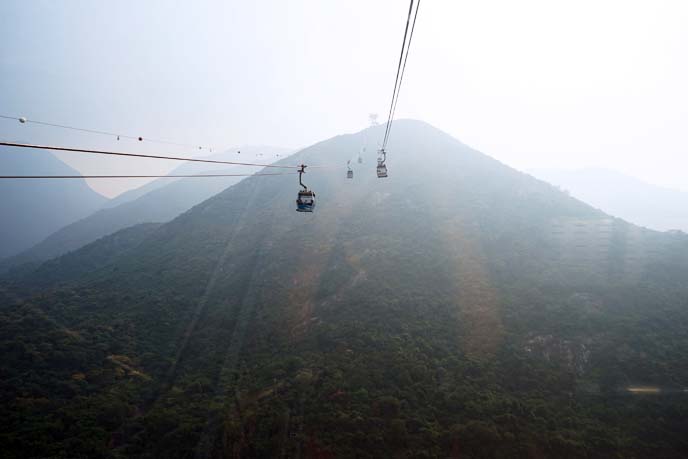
pixel 396 80
pixel 110 134
pixel 7 177
pixel 403 69
pixel 140 155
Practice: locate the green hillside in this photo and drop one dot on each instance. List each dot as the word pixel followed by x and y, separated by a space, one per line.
pixel 158 201
pixel 458 308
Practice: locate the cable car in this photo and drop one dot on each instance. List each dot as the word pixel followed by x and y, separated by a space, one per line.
pixel 305 200
pixel 381 166
pixel 381 170
pixel 349 172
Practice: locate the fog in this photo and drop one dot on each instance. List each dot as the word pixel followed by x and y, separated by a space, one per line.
pixel 531 83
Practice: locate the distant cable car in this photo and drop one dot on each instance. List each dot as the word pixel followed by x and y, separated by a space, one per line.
pixel 381 170
pixel 381 166
pixel 305 201
pixel 349 172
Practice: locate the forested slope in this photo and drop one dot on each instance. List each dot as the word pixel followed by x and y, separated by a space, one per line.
pixel 156 202
pixel 456 309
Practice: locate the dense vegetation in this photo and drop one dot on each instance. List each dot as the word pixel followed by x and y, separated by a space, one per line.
pixel 456 309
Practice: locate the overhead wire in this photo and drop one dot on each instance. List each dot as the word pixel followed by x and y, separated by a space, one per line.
pixel 138 176
pixel 138 155
pixel 396 79
pixel 110 134
pixel 403 69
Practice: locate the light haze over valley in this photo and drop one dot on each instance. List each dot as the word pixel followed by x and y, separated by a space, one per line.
pixel 308 229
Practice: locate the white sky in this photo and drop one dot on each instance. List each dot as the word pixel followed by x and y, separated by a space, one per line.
pixel 534 84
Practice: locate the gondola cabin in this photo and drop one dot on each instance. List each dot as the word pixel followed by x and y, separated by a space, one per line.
pixel 381 169
pixel 349 174
pixel 305 202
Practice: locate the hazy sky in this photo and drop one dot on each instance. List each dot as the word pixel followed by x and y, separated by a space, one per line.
pixel 532 83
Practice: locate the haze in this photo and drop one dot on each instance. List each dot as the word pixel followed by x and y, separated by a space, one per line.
pixel 508 277
pixel 531 83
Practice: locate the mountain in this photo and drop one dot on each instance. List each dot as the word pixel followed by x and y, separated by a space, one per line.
pixel 458 308
pixel 248 153
pixel 30 210
pixel 158 201
pixel 626 197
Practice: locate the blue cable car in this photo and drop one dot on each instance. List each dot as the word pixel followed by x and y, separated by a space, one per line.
pixel 349 172
pixel 305 200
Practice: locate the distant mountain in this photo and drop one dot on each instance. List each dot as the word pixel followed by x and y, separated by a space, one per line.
pixel 30 210
pixel 247 153
pixel 457 308
pixel 158 201
pixel 626 197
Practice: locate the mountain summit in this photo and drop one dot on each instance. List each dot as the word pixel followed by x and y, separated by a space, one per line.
pixel 458 308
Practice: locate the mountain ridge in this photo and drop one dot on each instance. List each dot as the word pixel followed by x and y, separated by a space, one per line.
pixel 158 201
pixel 32 209
pixel 642 203
pixel 458 305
